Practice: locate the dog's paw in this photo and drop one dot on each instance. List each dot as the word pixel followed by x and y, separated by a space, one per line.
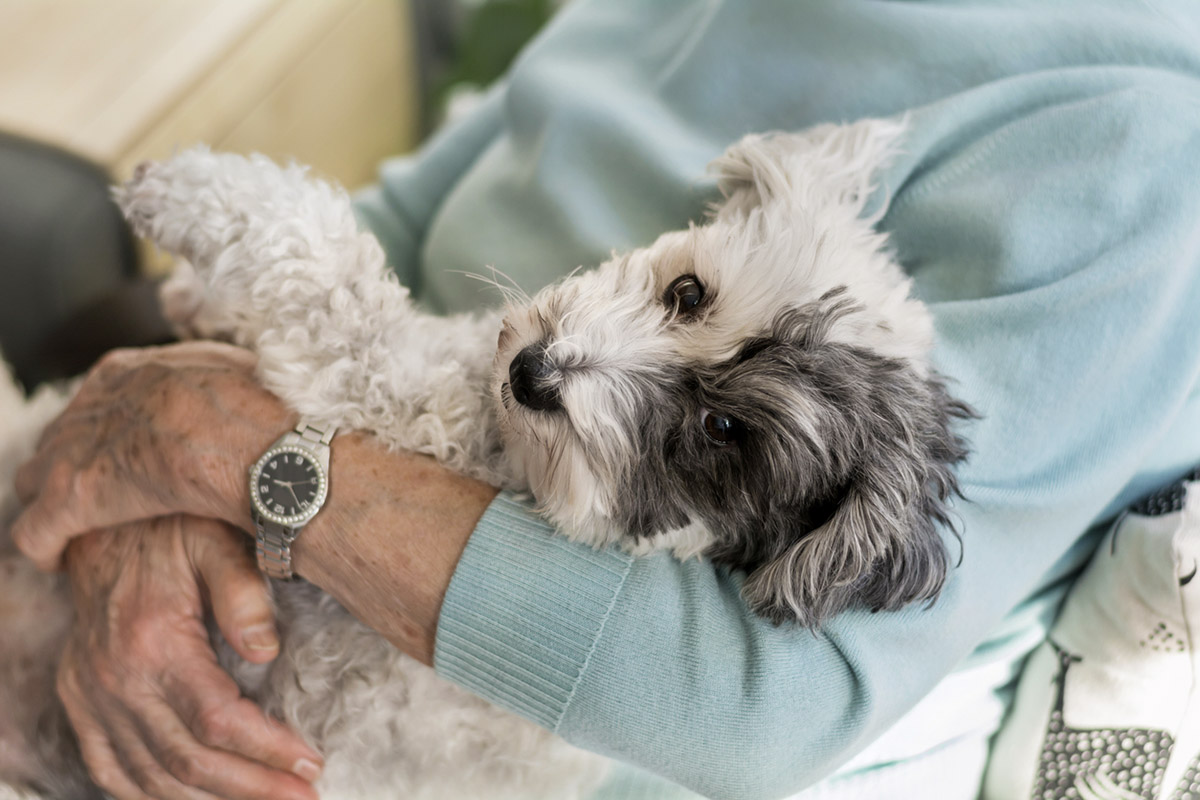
pixel 136 198
pixel 187 306
pixel 184 203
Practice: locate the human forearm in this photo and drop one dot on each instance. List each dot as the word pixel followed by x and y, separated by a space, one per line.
pixel 1057 352
pixel 159 432
pixel 389 538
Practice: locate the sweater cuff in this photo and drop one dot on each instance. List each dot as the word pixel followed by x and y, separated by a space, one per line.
pixel 523 611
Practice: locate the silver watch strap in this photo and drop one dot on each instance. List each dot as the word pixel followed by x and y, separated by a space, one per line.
pixel 273 544
pixel 312 433
pixel 272 541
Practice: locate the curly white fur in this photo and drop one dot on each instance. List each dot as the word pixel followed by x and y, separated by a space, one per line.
pixel 791 271
pixel 35 612
pixel 280 266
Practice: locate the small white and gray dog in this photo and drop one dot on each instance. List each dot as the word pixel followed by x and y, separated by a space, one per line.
pixel 755 390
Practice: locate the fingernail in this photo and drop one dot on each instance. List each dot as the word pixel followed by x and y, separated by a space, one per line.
pixel 260 637
pixel 307 769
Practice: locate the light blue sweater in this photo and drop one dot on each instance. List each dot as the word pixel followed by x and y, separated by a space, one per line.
pixel 1048 207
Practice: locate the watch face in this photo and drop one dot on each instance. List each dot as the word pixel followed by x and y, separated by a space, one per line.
pixel 287 485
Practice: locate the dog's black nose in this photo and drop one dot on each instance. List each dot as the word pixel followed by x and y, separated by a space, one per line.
pixel 530 377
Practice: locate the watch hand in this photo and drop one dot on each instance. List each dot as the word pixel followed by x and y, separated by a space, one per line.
pixel 282 483
pixel 294 497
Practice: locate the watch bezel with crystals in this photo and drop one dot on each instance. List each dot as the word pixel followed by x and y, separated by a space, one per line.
pixel 275 533
pixel 293 520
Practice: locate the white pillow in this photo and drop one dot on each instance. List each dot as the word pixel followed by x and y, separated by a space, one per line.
pixel 1108 707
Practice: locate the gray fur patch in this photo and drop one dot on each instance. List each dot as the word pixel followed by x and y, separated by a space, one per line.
pixel 834 494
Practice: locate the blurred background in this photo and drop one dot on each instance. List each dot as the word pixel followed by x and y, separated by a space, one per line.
pixel 89 88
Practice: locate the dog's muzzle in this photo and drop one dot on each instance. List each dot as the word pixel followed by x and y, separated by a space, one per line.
pixel 531 377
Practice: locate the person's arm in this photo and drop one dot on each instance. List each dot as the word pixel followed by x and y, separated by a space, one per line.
pixel 1057 248
pixel 165 431
pixel 1059 255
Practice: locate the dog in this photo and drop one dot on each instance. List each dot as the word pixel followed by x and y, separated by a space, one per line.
pixel 755 390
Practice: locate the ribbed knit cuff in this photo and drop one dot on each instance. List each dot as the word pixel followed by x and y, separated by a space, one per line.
pixel 523 612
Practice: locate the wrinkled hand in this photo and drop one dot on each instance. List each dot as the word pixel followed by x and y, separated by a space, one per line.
pixel 150 433
pixel 155 714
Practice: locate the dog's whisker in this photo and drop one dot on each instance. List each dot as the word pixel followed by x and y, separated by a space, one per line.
pixel 512 295
pixel 510 291
pixel 516 287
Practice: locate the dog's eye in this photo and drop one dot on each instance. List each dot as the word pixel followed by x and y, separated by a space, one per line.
pixel 721 430
pixel 684 294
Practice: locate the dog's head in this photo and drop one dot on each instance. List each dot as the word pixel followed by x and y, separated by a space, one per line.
pixel 755 388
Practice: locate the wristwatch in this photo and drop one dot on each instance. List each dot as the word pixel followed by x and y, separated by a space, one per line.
pixel 288 486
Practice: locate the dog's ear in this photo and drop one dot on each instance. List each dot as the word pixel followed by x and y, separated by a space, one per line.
pixel 881 547
pixel 824 165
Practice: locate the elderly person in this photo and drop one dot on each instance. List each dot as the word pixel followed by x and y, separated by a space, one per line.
pixel 1046 205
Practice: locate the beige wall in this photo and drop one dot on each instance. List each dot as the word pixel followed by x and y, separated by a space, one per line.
pixel 327 82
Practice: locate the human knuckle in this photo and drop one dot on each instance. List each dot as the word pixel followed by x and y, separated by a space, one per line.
pixel 80 484
pixel 114 360
pixel 105 775
pixel 185 765
pixel 146 777
pixel 214 726
pixel 156 782
pixel 61 480
pixel 159 785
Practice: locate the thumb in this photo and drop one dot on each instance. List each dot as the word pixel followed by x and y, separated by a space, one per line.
pixel 238 592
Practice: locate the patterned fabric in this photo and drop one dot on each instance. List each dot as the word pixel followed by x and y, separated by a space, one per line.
pixel 1167 500
pixel 1108 708
pixel 1132 760
pixel 1189 786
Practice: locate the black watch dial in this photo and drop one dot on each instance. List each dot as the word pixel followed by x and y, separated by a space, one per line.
pixel 289 484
